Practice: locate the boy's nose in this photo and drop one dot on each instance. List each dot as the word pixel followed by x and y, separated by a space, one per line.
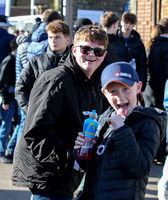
pixel 91 52
pixel 121 96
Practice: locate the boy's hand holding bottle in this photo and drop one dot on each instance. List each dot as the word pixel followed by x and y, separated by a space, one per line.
pixel 85 141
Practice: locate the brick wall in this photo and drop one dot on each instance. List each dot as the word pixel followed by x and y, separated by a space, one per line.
pixel 164 8
pixel 145 11
pixel 144 16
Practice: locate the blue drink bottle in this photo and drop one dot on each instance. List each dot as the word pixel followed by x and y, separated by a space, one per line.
pixel 89 130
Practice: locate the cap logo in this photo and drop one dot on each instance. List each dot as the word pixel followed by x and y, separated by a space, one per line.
pixel 122 74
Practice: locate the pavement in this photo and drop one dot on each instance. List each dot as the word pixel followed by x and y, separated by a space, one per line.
pixel 9 192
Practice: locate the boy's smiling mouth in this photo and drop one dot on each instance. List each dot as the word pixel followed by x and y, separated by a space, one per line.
pixel 89 60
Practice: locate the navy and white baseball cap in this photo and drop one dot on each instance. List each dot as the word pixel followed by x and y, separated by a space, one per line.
pixel 121 72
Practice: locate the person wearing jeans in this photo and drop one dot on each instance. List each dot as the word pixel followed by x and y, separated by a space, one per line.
pixel 163 183
pixel 5 128
pixel 17 132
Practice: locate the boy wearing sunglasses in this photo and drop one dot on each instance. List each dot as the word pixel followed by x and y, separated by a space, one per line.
pixel 43 159
pixel 127 140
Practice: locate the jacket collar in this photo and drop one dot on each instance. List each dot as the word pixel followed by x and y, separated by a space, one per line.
pixel 78 73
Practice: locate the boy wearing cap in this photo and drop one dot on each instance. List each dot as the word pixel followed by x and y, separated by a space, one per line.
pixel 127 139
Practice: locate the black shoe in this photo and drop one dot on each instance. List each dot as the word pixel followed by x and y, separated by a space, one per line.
pixel 5 160
pixel 9 155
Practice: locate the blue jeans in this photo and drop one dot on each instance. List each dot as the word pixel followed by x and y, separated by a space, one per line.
pixel 163 183
pixel 6 125
pixel 49 197
pixel 17 132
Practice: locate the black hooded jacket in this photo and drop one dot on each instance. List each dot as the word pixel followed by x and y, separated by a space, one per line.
pixel 133 49
pixel 43 158
pixel 121 171
pixel 32 70
pixel 158 68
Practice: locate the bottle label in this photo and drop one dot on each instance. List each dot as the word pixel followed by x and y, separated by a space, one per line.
pixel 90 130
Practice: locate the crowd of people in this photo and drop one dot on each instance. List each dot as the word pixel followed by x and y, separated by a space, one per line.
pixel 47 80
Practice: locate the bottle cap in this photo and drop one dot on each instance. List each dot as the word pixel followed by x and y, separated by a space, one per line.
pixel 92 115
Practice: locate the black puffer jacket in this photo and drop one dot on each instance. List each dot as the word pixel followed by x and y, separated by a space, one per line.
pixel 43 158
pixel 32 70
pixel 158 68
pixel 133 49
pixel 121 172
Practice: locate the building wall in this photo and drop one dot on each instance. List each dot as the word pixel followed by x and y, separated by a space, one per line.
pixel 144 9
pixel 145 18
pixel 102 5
pixel 22 7
pixel 148 16
pixel 164 8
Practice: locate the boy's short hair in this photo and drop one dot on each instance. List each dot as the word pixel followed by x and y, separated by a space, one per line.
pixel 91 33
pixel 108 18
pixel 129 17
pixel 49 15
pixel 120 72
pixel 58 26
pixel 164 25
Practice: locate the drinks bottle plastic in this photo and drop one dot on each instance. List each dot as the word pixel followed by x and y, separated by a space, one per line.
pixel 133 63
pixel 89 130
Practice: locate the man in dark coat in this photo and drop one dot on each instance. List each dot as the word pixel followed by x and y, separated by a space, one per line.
pixel 5 37
pixel 7 86
pixel 58 40
pixel 129 46
pixel 158 72
pixel 43 158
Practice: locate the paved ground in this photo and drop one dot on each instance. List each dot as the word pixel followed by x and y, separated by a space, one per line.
pixel 9 192
pixel 156 173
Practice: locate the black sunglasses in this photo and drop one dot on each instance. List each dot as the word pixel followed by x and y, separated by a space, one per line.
pixel 86 50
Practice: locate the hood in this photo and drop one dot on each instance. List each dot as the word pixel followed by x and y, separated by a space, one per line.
pixel 40 34
pixel 56 58
pixel 22 38
pixel 134 34
pixel 111 38
pixel 159 116
pixel 78 73
pixel 3 32
pixel 159 40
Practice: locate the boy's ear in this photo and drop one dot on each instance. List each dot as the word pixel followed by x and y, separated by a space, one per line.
pixel 73 50
pixel 139 87
pixel 102 91
pixel 68 40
